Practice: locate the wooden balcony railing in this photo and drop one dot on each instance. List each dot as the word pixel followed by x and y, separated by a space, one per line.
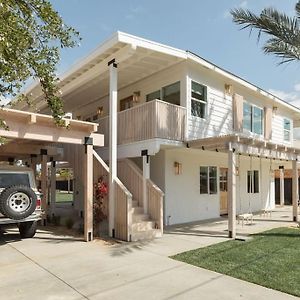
pixel 154 119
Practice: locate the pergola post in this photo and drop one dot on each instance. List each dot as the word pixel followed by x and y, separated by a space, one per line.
pixel 295 190
pixel 113 133
pixel 53 186
pixel 33 158
pixel 281 173
pixel 44 185
pixel 231 192
pixel 146 175
pixel 88 189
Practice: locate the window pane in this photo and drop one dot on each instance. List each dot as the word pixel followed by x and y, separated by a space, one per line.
pixel 153 96
pixel 249 177
pixel 198 91
pixel 287 124
pixel 198 109
pixel 213 180
pixel 286 135
pixel 247 116
pixel 9 179
pixel 256 181
pixel 203 180
pixel 257 120
pixel 171 93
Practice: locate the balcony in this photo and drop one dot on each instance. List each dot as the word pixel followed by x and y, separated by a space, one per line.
pixel 150 120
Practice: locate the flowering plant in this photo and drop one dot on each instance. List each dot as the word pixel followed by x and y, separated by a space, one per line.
pixel 101 191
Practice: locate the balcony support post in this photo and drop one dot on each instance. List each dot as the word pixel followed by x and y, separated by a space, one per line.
pixel 113 128
pixel 146 176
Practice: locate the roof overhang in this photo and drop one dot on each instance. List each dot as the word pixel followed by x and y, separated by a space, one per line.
pixel 138 58
pixel 245 145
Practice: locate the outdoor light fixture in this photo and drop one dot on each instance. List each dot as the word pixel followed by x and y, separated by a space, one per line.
pixel 274 109
pixel 136 96
pixel 177 168
pixel 228 89
pixel 100 111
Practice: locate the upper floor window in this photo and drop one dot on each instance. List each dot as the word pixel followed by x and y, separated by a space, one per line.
pixel 153 96
pixel 253 117
pixel 171 93
pixel 208 180
pixel 198 100
pixel 286 129
pixel 126 103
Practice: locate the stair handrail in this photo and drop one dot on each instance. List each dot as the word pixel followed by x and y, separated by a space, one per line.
pixel 128 201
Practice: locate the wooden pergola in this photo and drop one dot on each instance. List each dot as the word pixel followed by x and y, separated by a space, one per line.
pixel 239 144
pixel 38 139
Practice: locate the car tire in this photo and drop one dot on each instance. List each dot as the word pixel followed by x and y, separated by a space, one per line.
pixel 17 202
pixel 27 229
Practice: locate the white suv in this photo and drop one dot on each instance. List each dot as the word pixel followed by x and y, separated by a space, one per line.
pixel 20 201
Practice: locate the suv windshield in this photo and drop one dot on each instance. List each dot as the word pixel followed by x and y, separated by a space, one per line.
pixel 9 179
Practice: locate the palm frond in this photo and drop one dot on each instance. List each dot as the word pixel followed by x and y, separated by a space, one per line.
pixel 282 28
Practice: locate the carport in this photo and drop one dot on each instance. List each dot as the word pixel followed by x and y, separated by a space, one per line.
pixel 36 139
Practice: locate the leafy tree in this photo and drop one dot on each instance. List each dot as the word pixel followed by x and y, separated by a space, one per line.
pixel 31 36
pixel 283 31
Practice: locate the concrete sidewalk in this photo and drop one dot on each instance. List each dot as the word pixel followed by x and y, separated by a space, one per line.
pixel 53 267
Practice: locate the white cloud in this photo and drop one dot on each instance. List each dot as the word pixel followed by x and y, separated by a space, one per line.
pixel 4 101
pixel 243 4
pixel 297 87
pixel 134 11
pixel 292 97
pixel 227 14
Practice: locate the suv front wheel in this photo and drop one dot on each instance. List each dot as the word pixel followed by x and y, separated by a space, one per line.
pixel 17 202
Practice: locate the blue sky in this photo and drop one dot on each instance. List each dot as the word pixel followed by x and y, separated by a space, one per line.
pixel 202 26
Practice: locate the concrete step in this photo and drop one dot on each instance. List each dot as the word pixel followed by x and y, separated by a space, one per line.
pixel 145 235
pixel 137 210
pixel 139 217
pixel 143 226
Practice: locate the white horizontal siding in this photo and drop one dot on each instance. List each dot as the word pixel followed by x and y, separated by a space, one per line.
pixel 218 119
pixel 277 130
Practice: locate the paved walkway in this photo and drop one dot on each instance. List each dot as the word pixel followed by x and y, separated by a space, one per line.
pixel 53 267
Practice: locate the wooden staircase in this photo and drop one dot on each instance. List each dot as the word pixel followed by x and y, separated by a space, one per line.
pixel 144 226
pixel 131 223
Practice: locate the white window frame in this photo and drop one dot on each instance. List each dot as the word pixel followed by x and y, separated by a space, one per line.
pixel 252 115
pixel 198 100
pixel 287 130
pixel 251 183
pixel 208 180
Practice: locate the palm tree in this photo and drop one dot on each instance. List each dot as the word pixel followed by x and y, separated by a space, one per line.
pixel 283 31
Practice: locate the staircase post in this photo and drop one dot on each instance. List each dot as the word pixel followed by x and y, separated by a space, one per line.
pixel 113 133
pixel 146 175
pixel 295 190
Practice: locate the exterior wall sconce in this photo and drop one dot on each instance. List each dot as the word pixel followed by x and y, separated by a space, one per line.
pixel 100 111
pixel 136 96
pixel 228 89
pixel 237 171
pixel 274 109
pixel 177 168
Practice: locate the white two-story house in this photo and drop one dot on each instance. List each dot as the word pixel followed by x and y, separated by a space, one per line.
pixel 204 140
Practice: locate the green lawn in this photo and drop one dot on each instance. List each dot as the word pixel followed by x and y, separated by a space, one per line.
pixel 64 197
pixel 270 259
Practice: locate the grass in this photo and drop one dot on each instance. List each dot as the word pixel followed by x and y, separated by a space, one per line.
pixel 270 259
pixel 64 197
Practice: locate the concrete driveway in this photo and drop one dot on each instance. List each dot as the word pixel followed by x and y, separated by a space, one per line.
pixel 52 266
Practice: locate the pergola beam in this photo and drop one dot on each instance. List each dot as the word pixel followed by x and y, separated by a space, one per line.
pixel 47 133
